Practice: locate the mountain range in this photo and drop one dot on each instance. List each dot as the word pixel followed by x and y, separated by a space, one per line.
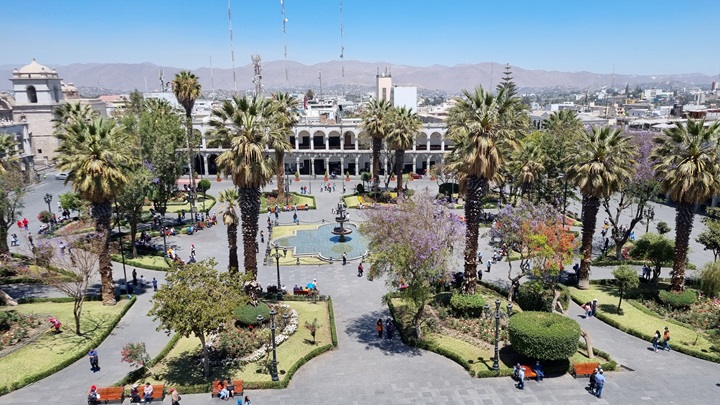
pixel 452 79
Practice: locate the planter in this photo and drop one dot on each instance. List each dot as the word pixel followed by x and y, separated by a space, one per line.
pixel 347 178
pixel 326 178
pixel 297 178
pixel 219 179
pixel 433 178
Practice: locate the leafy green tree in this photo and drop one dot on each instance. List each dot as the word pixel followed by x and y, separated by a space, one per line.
pixel 656 248
pixel 412 246
pixel 203 186
pixel 710 236
pixel 687 162
pixel 626 278
pixel 230 219
pixel 197 300
pixel 405 126
pixel 13 187
pixel 161 134
pixel 247 119
pixel 70 201
pixel 365 177
pixel 710 279
pixel 663 228
pixel 136 103
pixel 98 155
pixel 603 161
pixel 376 122
pixel 130 202
pixel 482 127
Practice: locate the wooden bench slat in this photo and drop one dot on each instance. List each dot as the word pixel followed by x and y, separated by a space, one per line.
pixel 529 373
pixel 584 368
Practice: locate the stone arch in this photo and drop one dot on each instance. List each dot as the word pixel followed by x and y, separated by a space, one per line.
pixel 304 139
pixel 31 93
pixel 334 139
pixel 318 140
pixel 421 141
pixel 436 139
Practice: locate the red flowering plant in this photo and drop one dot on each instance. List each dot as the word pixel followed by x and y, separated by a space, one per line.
pixel 136 355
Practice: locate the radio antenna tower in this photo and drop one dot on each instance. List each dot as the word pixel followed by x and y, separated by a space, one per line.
pixel 284 21
pixel 342 47
pixel 212 80
pixel 257 76
pixel 232 50
pixel 162 80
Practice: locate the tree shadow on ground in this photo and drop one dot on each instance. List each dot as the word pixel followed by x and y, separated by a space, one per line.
pixel 509 358
pixel 187 369
pixel 362 329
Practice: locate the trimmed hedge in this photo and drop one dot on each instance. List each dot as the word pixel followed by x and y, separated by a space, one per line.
pixel 82 353
pixel 333 329
pixel 136 263
pixel 678 300
pixel 544 335
pixel 533 296
pixel 467 305
pixel 247 314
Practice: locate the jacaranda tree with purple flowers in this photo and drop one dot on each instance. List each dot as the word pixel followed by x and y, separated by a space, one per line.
pixel 411 244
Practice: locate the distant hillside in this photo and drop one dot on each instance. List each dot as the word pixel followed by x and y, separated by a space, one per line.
pixel 124 76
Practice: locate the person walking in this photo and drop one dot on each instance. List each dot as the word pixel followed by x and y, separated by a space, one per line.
pixel 593 307
pixel 599 383
pixel 489 264
pixel 25 223
pixel 666 339
pixel 174 396
pixel 592 384
pixel 379 328
pixel 154 284
pixel 94 361
pixel 247 401
pixel 656 340
pixel 389 328
pixel 479 256
pixel 134 274
pixel 521 378
pixel 360 270
pixel 262 237
pixel 344 258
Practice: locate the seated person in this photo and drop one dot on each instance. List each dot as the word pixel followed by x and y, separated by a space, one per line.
pixel 537 368
pixel 147 392
pixel 223 392
pixel 230 387
pixel 135 393
pixel 93 396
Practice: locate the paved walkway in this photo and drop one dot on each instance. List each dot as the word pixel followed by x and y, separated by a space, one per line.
pixel 365 369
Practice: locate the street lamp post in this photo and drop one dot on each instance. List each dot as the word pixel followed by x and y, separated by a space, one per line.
pixel 273 369
pixel 122 251
pixel 649 216
pixel 48 200
pixel 498 314
pixel 285 319
pixel 191 198
pixel 276 255
pixel 287 188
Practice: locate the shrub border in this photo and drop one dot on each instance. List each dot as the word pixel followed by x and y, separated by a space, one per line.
pixel 82 353
pixel 130 262
pixel 256 385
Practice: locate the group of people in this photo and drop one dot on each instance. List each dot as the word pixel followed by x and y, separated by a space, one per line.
pixel 519 374
pixel 388 328
pixel 665 339
pixel 327 187
pixel 597 382
pixel 590 308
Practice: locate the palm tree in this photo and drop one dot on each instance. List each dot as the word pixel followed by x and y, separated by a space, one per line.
pixel 405 125
pixel 376 122
pixel 245 162
pixel 97 156
pixel 70 113
pixel 278 139
pixel 231 220
pixel 187 89
pixel 8 152
pixel 602 161
pixel 686 161
pixel 481 128
pixel 528 165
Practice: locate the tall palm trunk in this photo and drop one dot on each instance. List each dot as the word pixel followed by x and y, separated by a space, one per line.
pixel 399 160
pixel 4 226
pixel 232 246
pixel 590 208
pixel 188 125
pixel 476 187
pixel 280 174
pixel 376 146
pixel 684 215
pixel 102 213
pixel 249 213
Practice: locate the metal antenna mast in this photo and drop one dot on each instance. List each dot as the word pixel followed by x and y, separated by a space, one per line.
pixel 212 80
pixel 320 80
pixel 257 76
pixel 232 50
pixel 284 21
pixel 342 47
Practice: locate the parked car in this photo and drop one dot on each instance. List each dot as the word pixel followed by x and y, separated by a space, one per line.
pixel 61 176
pixel 416 176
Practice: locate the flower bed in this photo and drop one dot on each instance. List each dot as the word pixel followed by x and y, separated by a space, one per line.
pixel 16 329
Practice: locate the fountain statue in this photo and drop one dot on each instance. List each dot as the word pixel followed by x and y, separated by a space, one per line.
pixel 341 218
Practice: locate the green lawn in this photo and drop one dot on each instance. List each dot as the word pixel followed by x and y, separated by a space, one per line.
pixel 176 206
pixel 637 322
pixel 50 350
pixel 181 367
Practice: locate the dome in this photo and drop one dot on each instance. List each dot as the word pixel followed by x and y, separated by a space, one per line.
pixel 35 68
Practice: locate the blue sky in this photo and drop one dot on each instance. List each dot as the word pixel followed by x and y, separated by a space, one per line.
pixel 637 37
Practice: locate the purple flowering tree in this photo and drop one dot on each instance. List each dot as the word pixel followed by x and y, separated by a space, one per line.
pixel 411 244
pixel 634 195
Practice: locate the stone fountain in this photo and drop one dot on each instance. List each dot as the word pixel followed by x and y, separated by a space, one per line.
pixel 341 218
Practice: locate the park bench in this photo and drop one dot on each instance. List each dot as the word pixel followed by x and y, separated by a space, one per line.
pixel 237 388
pixel 584 368
pixel 529 373
pixel 111 394
pixel 302 292
pixel 158 392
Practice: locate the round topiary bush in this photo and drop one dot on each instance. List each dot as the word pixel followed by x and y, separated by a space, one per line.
pixel 467 305
pixel 246 315
pixel 533 296
pixel 677 300
pixel 544 335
